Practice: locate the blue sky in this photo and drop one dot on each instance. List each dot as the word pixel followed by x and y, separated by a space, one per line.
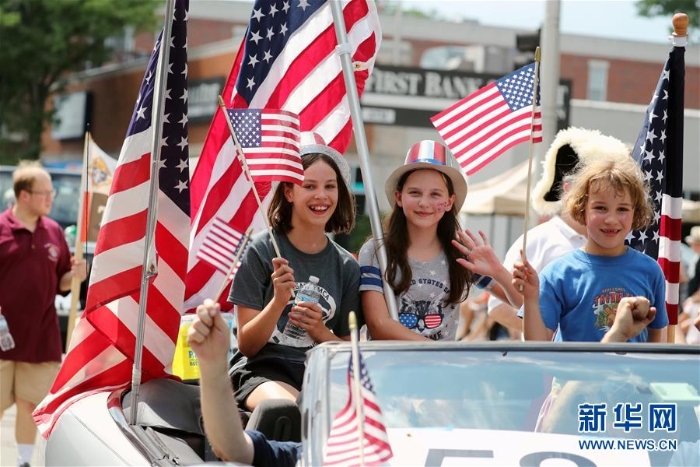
pixel 605 18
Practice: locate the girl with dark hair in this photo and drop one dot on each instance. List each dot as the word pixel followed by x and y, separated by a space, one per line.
pixel 426 193
pixel 274 331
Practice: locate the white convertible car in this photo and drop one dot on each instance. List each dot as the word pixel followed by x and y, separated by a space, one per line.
pixel 444 404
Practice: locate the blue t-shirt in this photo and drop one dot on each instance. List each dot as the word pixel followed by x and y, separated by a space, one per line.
pixel 579 293
pixel 271 453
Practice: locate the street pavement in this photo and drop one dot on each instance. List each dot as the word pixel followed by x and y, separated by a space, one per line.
pixel 8 448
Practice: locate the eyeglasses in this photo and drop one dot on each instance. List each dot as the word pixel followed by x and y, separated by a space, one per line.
pixel 51 193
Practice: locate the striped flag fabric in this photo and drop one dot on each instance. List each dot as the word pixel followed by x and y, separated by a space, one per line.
pixel 342 445
pixel 102 349
pixel 287 60
pixel 659 151
pixel 271 143
pixel 220 245
pixel 488 122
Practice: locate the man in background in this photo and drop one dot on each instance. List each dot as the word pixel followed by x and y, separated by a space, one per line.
pixel 35 265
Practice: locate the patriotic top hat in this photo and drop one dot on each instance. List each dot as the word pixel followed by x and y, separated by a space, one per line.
pixel 313 143
pixel 570 146
pixel 431 155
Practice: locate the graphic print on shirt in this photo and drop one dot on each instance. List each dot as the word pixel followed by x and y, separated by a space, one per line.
pixel 605 306
pixel 52 251
pixel 288 334
pixel 421 315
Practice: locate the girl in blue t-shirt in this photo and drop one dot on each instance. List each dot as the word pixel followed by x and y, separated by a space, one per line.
pixel 580 292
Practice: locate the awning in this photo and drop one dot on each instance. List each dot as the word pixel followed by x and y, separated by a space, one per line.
pixel 504 195
pixel 501 195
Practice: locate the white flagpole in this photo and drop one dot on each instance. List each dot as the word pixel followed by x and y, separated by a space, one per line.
pixel 78 253
pixel 149 267
pixel 241 158
pixel 535 89
pixel 239 252
pixel 357 385
pixel 344 51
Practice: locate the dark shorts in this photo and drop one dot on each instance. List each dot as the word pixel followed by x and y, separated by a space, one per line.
pixel 248 375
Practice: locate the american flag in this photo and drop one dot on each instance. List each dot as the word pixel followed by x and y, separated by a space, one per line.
pixel 485 124
pixel 102 349
pixel 271 142
pixel 220 245
pixel 342 445
pixel 287 61
pixel 659 151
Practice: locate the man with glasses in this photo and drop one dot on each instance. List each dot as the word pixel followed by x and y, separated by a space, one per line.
pixel 35 265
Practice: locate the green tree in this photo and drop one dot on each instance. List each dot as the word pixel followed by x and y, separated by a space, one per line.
pixel 668 8
pixel 41 43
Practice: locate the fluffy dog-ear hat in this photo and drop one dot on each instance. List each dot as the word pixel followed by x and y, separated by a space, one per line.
pixel 570 147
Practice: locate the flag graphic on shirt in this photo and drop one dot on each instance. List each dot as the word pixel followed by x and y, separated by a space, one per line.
pixel 659 151
pixel 103 344
pixel 270 142
pixel 342 445
pixel 287 60
pixel 488 122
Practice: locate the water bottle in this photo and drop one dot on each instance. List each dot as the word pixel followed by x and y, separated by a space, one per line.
pixel 6 340
pixel 310 292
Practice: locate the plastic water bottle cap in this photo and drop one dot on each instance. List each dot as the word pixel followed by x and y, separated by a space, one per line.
pixel 313 279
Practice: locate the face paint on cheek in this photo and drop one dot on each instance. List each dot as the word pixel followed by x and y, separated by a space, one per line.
pixel 441 206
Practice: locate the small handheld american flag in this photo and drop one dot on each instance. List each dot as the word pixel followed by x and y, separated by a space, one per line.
pixel 343 441
pixel 485 124
pixel 271 141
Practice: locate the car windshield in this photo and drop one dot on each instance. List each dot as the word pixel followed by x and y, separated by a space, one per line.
pixel 557 392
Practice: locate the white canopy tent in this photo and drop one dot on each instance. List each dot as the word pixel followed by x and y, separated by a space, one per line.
pixel 504 195
pixel 501 195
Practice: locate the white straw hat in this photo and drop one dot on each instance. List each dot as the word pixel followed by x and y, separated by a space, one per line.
pixel 313 143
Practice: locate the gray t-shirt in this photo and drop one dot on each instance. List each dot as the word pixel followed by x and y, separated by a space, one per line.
pixel 339 278
pixel 422 307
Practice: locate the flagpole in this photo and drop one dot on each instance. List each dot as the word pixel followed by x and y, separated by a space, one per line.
pixel 149 268
pixel 241 158
pixel 535 92
pixel 239 252
pixel 344 51
pixel 78 253
pixel 679 38
pixel 357 385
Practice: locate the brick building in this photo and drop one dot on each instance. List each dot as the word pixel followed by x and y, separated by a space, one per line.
pixel 602 73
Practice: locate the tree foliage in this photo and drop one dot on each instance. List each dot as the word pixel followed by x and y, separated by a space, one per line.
pixel 668 8
pixel 41 43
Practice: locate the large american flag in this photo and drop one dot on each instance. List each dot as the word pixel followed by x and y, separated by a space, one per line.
pixel 287 61
pixel 270 140
pixel 102 348
pixel 342 445
pixel 486 123
pixel 659 151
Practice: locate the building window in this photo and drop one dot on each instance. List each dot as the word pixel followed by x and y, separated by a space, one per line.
pixel 598 80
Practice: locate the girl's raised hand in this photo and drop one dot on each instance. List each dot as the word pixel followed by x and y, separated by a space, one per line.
pixel 479 256
pixel 283 281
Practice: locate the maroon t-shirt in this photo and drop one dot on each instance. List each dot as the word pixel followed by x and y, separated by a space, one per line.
pixel 31 266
